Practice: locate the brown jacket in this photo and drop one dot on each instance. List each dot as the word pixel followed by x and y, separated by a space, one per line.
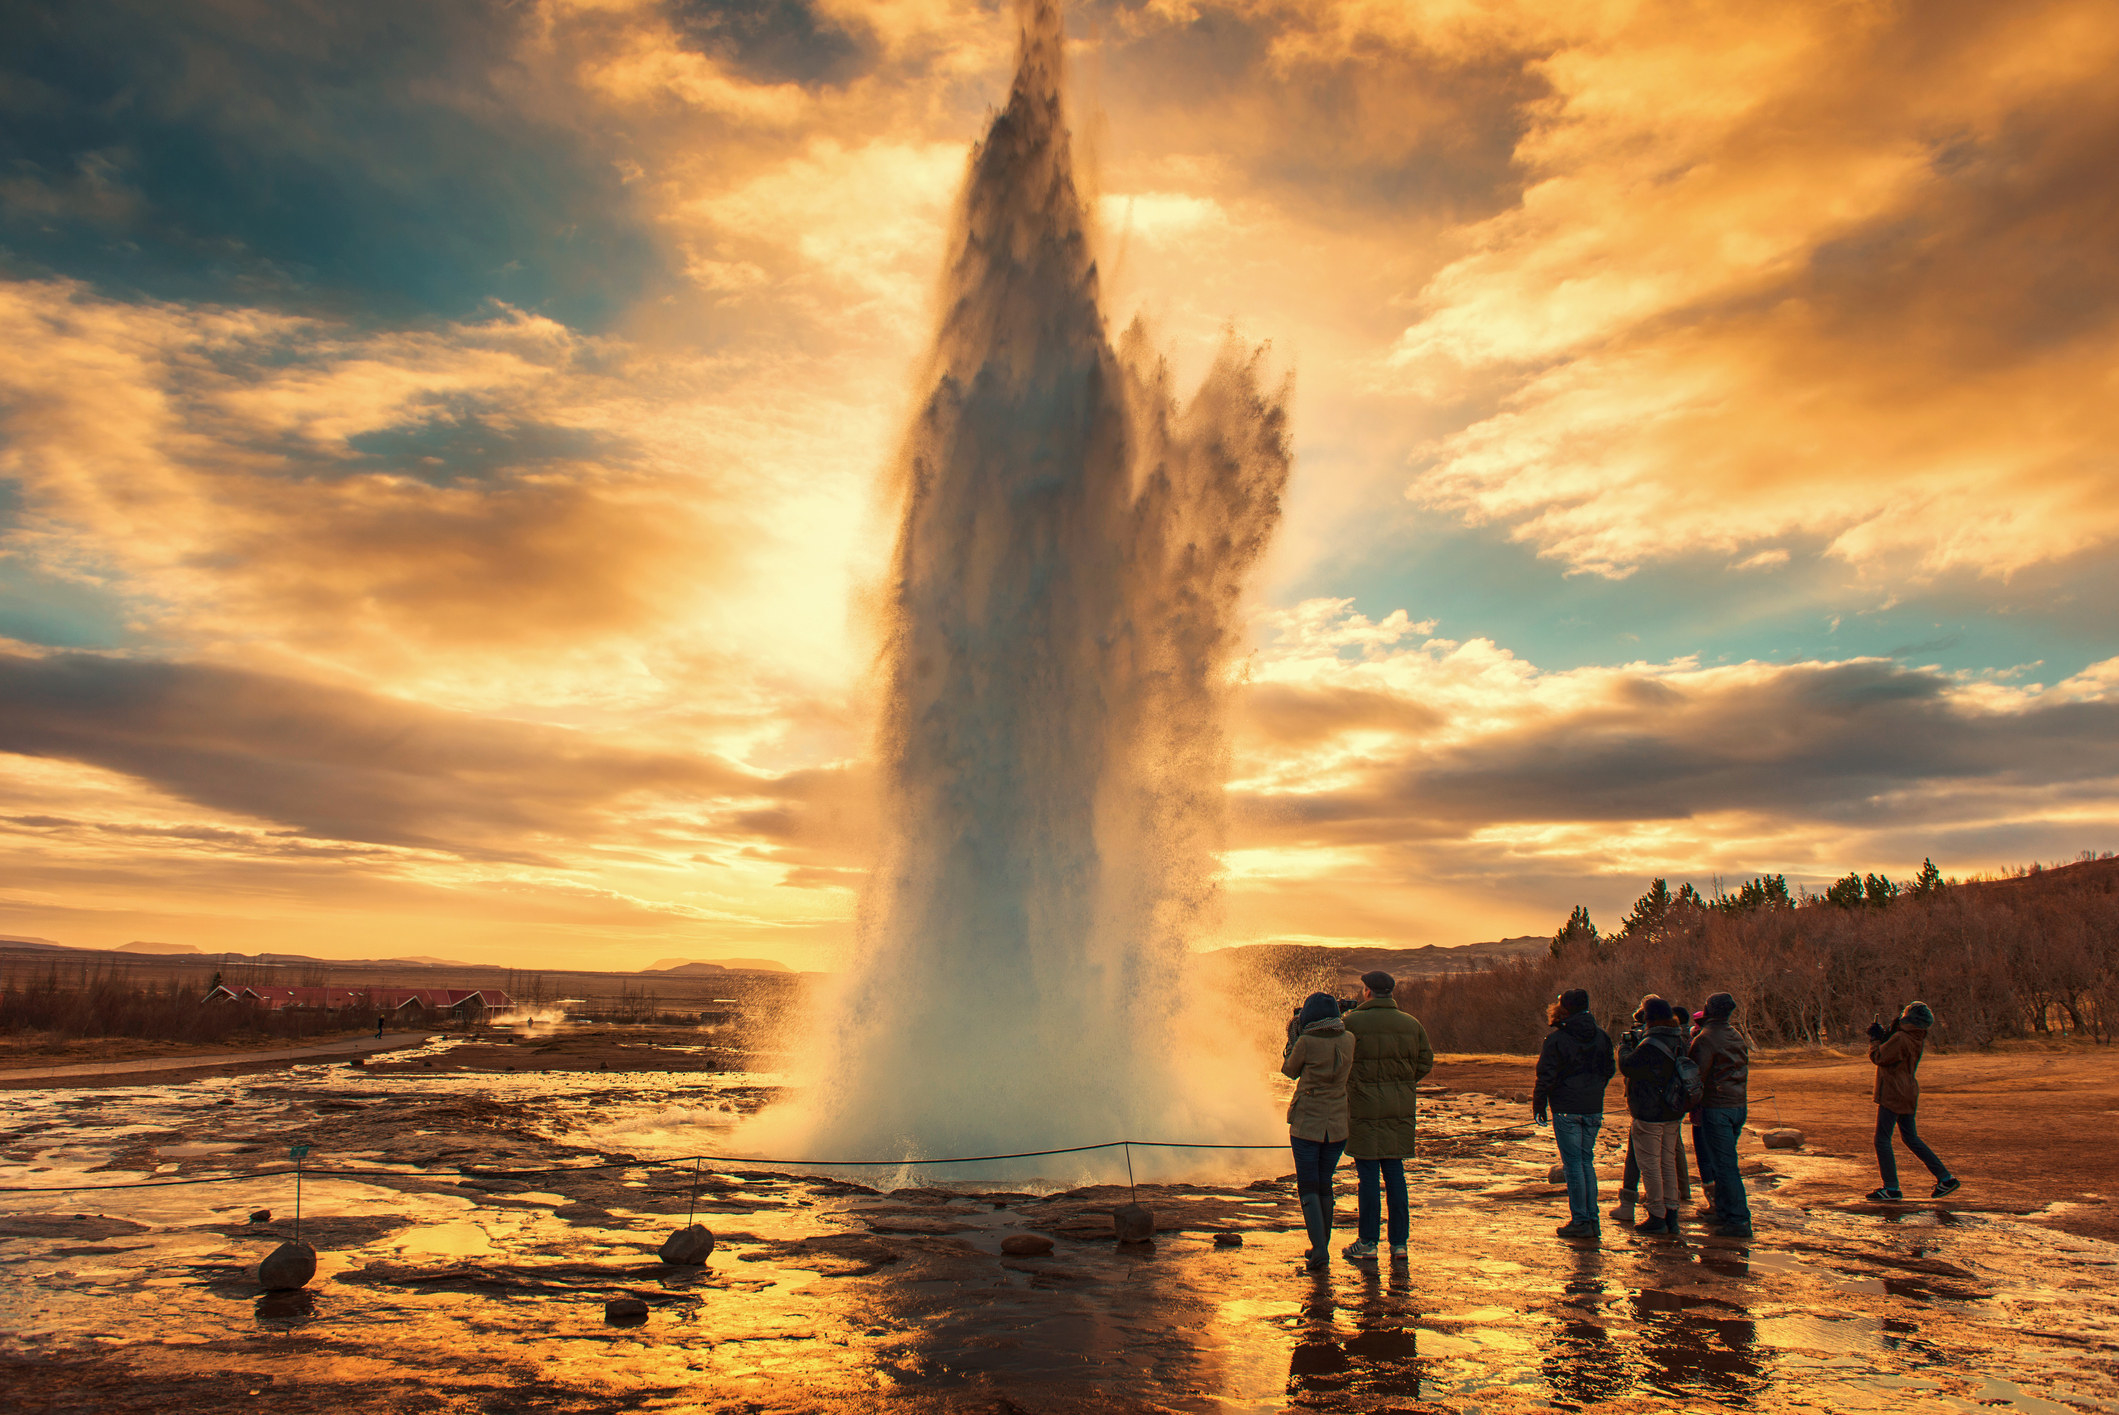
pixel 1897 1059
pixel 1723 1054
pixel 1320 1060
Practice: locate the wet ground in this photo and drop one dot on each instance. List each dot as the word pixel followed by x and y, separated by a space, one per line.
pixel 445 1291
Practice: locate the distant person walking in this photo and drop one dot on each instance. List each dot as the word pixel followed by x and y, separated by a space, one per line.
pixel 1648 1059
pixel 1723 1053
pixel 1320 1056
pixel 1391 1054
pixel 1574 1067
pixel 1896 1050
pixel 378 1026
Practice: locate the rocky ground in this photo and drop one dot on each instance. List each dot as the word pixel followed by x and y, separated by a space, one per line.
pixel 445 1285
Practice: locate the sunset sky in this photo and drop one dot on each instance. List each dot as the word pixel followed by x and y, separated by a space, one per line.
pixel 440 448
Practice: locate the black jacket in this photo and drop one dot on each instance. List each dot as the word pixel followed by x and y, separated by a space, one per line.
pixel 1574 1067
pixel 1648 1064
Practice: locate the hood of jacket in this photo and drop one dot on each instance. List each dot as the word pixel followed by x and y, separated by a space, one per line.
pixel 1328 1027
pixel 1581 1026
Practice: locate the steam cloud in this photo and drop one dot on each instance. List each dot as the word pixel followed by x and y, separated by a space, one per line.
pixel 1064 604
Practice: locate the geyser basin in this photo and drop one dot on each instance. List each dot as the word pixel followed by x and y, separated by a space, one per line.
pixel 1063 609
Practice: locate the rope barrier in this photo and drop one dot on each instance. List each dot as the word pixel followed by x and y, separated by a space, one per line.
pixel 473 1173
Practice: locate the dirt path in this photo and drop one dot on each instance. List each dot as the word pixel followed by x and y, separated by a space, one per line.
pixel 2018 1125
pixel 163 1066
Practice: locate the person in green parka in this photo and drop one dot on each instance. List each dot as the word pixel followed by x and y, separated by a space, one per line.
pixel 1391 1054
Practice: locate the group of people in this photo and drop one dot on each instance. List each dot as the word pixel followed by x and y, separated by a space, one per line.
pixel 1357 1066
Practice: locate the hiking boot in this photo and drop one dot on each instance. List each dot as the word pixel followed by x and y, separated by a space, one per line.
pixel 1578 1230
pixel 1654 1224
pixel 1885 1196
pixel 1398 1253
pixel 1355 1252
pixel 1734 1230
pixel 1945 1189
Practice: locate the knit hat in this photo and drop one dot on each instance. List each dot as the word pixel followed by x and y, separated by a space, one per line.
pixel 1720 1006
pixel 1918 1014
pixel 1575 1000
pixel 1659 1011
pixel 1379 983
pixel 1316 1008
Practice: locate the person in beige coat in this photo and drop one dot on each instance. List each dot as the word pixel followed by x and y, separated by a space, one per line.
pixel 1897 1053
pixel 1320 1057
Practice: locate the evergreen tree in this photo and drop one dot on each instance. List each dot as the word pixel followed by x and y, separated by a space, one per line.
pixel 1846 893
pixel 1650 920
pixel 1928 882
pixel 1577 929
pixel 1879 891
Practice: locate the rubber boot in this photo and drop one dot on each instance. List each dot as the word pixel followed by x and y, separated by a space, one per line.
pixel 1318 1220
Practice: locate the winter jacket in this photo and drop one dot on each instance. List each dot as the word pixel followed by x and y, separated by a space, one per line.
pixel 1319 1060
pixel 1574 1066
pixel 1723 1053
pixel 1648 1066
pixel 1897 1059
pixel 1391 1054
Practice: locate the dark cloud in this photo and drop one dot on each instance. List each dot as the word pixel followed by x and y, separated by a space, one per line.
pixel 777 41
pixel 1846 743
pixel 336 763
pixel 383 158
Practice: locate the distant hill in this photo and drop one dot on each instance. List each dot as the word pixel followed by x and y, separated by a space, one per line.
pixel 25 941
pixel 145 946
pixel 1339 969
pixel 682 966
pixel 426 960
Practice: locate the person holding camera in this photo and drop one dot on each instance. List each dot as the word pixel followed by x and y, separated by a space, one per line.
pixel 1574 1067
pixel 1653 1060
pixel 1896 1050
pixel 1320 1057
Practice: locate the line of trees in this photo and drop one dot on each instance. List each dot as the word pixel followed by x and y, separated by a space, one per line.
pixel 2032 954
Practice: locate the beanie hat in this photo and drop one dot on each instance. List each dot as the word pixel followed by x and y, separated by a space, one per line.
pixel 1379 983
pixel 1659 1011
pixel 1316 1008
pixel 1918 1014
pixel 1720 1006
pixel 1575 999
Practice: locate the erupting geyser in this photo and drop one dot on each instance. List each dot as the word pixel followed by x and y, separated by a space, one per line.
pixel 1063 607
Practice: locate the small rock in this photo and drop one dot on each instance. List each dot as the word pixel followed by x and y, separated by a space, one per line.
pixel 1134 1223
pixel 358 1062
pixel 625 1311
pixel 689 1246
pixel 1026 1245
pixel 261 1216
pixel 287 1267
pixel 1556 1175
pixel 1783 1139
pixel 1228 1240
pixel 224 1102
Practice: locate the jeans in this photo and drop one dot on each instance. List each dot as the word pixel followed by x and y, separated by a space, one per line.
pixel 1576 1135
pixel 1887 1162
pixel 1387 1176
pixel 1719 1127
pixel 1314 1162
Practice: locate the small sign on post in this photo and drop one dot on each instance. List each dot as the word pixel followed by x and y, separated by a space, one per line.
pixel 298 1153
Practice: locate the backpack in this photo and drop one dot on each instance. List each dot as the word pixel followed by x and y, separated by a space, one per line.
pixel 1685 1089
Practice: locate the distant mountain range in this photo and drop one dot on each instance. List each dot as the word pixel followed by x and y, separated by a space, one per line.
pixel 681 966
pixel 1345 965
pixel 141 945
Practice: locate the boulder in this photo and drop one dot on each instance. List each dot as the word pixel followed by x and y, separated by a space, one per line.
pixel 1134 1223
pixel 261 1216
pixel 1786 1138
pixel 1026 1245
pixel 287 1267
pixel 689 1246
pixel 1228 1240
pixel 625 1311
pixel 1556 1175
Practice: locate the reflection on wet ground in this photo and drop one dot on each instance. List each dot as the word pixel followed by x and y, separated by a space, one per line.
pixel 438 1290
